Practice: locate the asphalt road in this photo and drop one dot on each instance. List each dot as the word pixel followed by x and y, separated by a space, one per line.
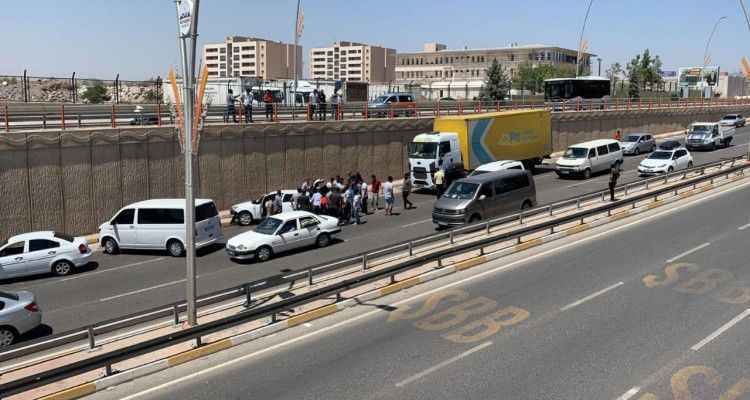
pixel 117 285
pixel 656 309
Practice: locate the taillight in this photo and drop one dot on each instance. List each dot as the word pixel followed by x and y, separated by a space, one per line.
pixel 32 307
pixel 83 248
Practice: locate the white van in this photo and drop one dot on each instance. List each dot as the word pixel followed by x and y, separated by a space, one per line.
pixel 585 159
pixel 160 224
pixel 501 165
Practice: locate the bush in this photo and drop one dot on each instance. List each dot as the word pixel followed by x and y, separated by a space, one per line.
pixel 96 94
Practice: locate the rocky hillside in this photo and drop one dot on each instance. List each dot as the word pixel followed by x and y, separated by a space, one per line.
pixel 59 90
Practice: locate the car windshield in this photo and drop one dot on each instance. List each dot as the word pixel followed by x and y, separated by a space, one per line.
pixel 461 190
pixel 422 150
pixel 660 155
pixel 268 226
pixel 7 295
pixel 730 117
pixel 700 128
pixel 632 138
pixel 575 152
pixel 380 99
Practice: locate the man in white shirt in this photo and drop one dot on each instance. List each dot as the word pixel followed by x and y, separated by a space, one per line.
pixel 247 102
pixel 388 195
pixel 316 202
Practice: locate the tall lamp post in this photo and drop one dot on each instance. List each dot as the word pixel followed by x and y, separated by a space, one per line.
pixel 599 60
pixel 747 20
pixel 708 44
pixel 580 39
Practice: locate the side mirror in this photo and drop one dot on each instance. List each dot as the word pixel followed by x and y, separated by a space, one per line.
pixel 482 197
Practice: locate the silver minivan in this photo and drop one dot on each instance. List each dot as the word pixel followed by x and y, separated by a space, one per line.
pixel 489 195
pixel 160 224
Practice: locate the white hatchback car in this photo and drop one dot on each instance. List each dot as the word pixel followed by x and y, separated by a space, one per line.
pixel 283 232
pixel 665 161
pixel 247 212
pixel 42 252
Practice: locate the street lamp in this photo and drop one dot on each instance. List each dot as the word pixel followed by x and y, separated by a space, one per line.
pixel 747 20
pixel 580 39
pixel 599 60
pixel 708 44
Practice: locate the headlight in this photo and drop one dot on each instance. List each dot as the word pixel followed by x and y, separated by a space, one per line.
pixel 241 247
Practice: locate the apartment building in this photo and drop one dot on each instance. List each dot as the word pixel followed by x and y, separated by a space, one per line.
pixel 349 61
pixel 437 63
pixel 241 56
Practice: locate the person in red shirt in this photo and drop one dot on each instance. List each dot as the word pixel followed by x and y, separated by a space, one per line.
pixel 618 136
pixel 375 193
pixel 268 99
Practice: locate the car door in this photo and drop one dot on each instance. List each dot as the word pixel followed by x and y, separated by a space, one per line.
pixel 123 226
pixel 40 254
pixel 290 234
pixel 681 159
pixel 12 259
pixel 309 230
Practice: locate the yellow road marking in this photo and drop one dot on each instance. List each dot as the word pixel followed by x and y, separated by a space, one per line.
pixel 311 315
pixel 527 245
pixel 470 263
pixel 199 352
pixel 399 286
pixel 577 229
pixel 72 393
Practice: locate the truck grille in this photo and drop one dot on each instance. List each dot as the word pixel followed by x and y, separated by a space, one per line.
pixel 420 173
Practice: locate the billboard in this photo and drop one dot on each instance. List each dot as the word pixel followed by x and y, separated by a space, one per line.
pixel 699 76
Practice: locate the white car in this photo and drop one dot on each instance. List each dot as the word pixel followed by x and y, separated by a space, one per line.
pixel 253 211
pixel 665 161
pixel 501 165
pixel 19 314
pixel 283 232
pixel 42 252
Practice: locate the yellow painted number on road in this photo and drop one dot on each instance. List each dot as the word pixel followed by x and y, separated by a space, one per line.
pixel 456 314
pixel 682 379
pixel 402 313
pixel 705 281
pixel 488 326
pixel 672 274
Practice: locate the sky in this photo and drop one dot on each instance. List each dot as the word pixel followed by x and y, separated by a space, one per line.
pixel 137 38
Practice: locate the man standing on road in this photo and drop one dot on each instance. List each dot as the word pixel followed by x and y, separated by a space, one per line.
pixel 322 106
pixel 618 135
pixel 614 175
pixel 375 193
pixel 230 107
pixel 313 104
pixel 247 101
pixel 406 190
pixel 388 196
pixel 316 197
pixel 277 204
pixel 439 180
pixel 268 99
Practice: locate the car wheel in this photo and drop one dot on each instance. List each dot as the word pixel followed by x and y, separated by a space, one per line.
pixel 7 336
pixel 690 164
pixel 586 173
pixel 526 205
pixel 670 170
pixel 264 253
pixel 175 248
pixel 245 218
pixel 637 151
pixel 110 246
pixel 324 240
pixel 474 218
pixel 62 268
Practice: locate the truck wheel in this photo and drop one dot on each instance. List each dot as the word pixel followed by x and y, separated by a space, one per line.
pixel 245 218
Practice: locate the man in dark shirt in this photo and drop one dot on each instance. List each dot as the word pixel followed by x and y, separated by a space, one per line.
pixel 614 175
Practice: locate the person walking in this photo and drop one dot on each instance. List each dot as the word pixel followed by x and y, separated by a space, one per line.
pixel 324 204
pixel 313 105
pixel 334 203
pixel 618 135
pixel 278 206
pixel 364 193
pixel 268 100
pixel 316 199
pixel 614 175
pixel 405 191
pixel 335 100
pixel 268 206
pixel 439 182
pixel 388 195
pixel 230 107
pixel 357 202
pixel 247 102
pixel 375 193
pixel 322 105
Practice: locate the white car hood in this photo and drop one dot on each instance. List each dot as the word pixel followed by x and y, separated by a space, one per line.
pixel 654 163
pixel 250 239
pixel 570 162
pixel 247 205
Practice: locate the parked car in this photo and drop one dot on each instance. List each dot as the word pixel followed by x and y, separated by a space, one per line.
pixel 159 224
pixel 666 161
pixel 735 120
pixel 42 252
pixel 585 159
pixel 19 314
pixel 669 145
pixel 401 103
pixel 144 120
pixel 637 143
pixel 708 135
pixel 501 165
pixel 247 212
pixel 474 198
pixel 283 232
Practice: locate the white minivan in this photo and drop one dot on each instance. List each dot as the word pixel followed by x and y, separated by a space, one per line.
pixel 585 159
pixel 160 224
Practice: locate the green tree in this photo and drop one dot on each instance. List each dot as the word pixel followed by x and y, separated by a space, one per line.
pixel 496 85
pixel 613 73
pixel 532 78
pixel 151 97
pixel 96 93
pixel 644 73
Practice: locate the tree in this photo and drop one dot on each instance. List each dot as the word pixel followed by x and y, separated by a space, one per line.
pixel 496 85
pixel 96 93
pixel 644 73
pixel 530 77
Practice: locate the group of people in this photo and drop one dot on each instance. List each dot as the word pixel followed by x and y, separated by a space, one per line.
pixel 319 105
pixel 246 99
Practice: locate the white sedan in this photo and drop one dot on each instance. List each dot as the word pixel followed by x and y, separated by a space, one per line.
pixel 252 211
pixel 283 232
pixel 666 161
pixel 42 252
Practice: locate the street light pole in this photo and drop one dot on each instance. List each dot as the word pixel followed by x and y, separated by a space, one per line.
pixel 747 21
pixel 599 60
pixel 580 39
pixel 708 44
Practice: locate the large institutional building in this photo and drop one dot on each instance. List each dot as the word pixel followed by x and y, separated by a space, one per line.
pixel 349 61
pixel 241 56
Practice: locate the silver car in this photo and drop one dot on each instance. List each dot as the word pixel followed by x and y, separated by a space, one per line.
pixel 637 143
pixel 19 314
pixel 42 252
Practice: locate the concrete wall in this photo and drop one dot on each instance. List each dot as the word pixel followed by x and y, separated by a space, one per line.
pixel 74 180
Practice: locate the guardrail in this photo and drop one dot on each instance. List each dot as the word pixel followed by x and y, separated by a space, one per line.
pixel 15 116
pixel 107 359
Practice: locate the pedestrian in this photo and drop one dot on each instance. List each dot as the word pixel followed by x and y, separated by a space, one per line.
pixel 439 182
pixel 405 191
pixel 313 104
pixel 375 193
pixel 247 102
pixel 364 193
pixel 322 105
pixel 230 107
pixel 316 198
pixel 335 100
pixel 357 202
pixel 614 175
pixel 277 203
pixel 334 203
pixel 324 204
pixel 618 135
pixel 268 206
pixel 268 99
pixel 388 195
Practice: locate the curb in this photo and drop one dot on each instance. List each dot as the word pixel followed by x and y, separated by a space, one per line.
pixel 223 344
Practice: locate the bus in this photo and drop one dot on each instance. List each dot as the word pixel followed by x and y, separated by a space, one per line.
pixel 585 88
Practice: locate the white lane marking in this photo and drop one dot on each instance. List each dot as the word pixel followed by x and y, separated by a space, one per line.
pixel 743 227
pixel 117 296
pixel 591 296
pixel 501 268
pixel 443 364
pixel 721 330
pixel 689 252
pixel 630 393
pixel 87 274
pixel 307 325
pixel 416 223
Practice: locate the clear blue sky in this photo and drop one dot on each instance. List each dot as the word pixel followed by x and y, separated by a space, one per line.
pixel 136 38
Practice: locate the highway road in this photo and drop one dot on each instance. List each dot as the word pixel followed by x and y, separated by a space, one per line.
pixel 650 309
pixel 117 285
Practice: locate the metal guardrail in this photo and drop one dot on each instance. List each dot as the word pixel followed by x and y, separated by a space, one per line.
pixel 107 359
pixel 314 274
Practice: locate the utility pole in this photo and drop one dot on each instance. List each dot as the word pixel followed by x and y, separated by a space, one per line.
pixel 705 54
pixel 187 18
pixel 297 33
pixel 580 39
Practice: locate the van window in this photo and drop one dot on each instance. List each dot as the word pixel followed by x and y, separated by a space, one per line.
pixel 125 217
pixel 404 98
pixel 486 190
pixel 12 249
pixel 392 99
pixel 602 150
pixel 42 244
pixel 518 182
pixel 445 147
pixel 150 216
pixel 592 153
pixel 613 147
pixel 205 211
